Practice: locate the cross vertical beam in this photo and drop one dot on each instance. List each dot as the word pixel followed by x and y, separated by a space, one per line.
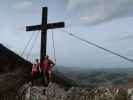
pixel 43 33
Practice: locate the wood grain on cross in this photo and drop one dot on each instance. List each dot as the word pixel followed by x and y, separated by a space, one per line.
pixel 44 27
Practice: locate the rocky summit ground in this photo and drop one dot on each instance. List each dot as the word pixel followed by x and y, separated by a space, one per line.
pixel 57 92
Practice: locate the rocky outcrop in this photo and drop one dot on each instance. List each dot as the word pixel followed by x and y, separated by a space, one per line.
pixel 57 92
pixel 130 93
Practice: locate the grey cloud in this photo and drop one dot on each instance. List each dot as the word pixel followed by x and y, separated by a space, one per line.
pixel 22 5
pixel 98 11
pixel 122 38
pixel 128 37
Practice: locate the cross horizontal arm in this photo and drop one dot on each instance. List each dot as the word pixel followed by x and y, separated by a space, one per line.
pixel 55 25
pixel 33 28
pixel 49 26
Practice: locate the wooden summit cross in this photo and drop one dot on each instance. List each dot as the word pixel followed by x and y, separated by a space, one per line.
pixel 44 27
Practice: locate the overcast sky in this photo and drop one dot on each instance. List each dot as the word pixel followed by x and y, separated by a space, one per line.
pixel 108 23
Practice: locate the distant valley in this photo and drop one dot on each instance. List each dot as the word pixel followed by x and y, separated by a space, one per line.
pixel 97 76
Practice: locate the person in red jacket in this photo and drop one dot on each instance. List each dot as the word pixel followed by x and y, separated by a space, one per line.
pixel 35 70
pixel 47 65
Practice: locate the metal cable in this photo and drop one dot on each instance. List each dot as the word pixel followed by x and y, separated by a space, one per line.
pixel 53 45
pixel 98 46
pixel 28 43
pixel 32 45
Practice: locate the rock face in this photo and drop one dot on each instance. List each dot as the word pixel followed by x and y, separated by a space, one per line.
pixel 52 92
pixel 130 94
pixel 56 92
pixel 14 72
pixel 35 93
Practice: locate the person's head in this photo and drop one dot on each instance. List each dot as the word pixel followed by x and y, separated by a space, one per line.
pixel 37 60
pixel 46 57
